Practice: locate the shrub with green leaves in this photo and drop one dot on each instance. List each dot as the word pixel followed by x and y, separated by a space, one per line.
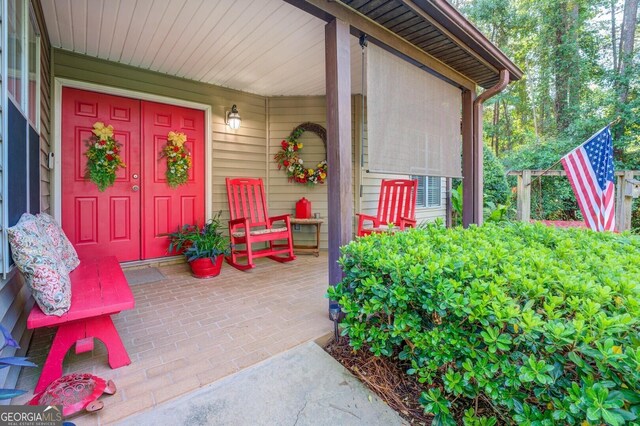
pixel 496 189
pixel 543 324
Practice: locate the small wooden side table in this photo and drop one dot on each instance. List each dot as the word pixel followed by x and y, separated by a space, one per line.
pixel 311 249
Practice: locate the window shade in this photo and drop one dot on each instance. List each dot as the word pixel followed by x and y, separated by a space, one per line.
pixel 413 118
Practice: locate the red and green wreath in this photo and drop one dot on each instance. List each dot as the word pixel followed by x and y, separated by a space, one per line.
pixel 103 156
pixel 178 159
pixel 289 157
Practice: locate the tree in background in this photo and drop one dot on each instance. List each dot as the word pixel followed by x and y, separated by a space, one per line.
pixel 580 62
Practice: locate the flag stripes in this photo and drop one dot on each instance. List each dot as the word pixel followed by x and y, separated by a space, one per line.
pixel 589 168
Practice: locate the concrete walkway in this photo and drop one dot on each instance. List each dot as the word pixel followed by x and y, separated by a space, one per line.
pixel 303 386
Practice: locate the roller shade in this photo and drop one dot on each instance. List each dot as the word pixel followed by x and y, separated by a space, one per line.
pixel 413 118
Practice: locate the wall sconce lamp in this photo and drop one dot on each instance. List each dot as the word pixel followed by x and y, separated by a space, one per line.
pixel 232 118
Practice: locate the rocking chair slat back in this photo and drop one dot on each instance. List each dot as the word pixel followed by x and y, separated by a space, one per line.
pixel 246 199
pixel 397 200
pixel 250 223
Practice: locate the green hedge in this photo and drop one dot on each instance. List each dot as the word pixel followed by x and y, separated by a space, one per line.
pixel 542 323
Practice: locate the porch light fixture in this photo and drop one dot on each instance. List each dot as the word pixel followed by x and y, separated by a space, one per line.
pixel 232 118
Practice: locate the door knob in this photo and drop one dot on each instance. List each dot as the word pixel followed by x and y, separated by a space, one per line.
pixel 135 188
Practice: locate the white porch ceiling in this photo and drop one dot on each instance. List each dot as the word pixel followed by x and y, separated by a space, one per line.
pixel 267 47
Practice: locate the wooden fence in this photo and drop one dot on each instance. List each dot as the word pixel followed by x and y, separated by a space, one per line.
pixel 627 188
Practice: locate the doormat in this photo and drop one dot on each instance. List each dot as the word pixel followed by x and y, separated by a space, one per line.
pixel 144 276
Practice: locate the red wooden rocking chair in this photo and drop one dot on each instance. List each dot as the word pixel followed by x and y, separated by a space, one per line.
pixel 397 206
pixel 250 223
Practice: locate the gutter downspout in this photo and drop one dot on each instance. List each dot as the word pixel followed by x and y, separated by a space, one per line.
pixel 477 174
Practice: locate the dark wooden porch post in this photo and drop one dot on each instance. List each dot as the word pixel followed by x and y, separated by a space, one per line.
pixel 340 191
pixel 471 163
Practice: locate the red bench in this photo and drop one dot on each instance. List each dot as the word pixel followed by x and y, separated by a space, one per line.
pixel 99 289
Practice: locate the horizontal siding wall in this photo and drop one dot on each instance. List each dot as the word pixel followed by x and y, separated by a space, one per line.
pixel 45 121
pixel 285 114
pixel 239 153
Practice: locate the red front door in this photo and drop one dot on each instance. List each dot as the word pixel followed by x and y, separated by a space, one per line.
pixel 100 223
pixel 165 209
pixel 126 220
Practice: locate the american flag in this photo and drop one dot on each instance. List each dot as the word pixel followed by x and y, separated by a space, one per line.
pixel 590 171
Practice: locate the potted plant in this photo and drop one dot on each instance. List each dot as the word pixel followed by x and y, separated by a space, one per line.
pixel 203 247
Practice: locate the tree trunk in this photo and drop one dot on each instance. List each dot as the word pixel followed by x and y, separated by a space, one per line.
pixel 627 37
pixel 614 52
pixel 507 124
pixel 562 66
pixel 496 120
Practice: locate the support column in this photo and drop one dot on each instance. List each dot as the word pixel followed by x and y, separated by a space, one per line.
pixel 523 201
pixel 471 164
pixel 624 202
pixel 340 185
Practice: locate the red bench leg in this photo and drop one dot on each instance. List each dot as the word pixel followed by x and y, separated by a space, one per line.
pixel 100 327
pixel 65 337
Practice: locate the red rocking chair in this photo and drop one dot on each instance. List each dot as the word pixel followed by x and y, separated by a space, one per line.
pixel 397 206
pixel 250 223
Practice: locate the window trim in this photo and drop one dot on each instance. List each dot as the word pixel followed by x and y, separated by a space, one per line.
pixel 4 242
pixel 32 20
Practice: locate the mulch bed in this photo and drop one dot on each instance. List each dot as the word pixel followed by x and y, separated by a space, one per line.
pixel 385 378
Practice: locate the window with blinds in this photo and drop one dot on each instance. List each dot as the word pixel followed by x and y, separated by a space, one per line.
pixel 429 191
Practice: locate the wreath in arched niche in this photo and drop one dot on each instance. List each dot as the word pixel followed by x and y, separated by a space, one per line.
pixel 289 157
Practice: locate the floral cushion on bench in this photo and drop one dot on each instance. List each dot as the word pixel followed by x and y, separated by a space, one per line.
pixel 42 267
pixel 59 240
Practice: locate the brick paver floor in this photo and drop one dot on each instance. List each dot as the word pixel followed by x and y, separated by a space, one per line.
pixel 186 333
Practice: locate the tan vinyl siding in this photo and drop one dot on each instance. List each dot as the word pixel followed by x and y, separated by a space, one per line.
pixel 234 153
pixel 285 114
pixel 371 185
pixel 45 117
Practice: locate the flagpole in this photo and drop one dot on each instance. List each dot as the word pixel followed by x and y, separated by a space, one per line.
pixel 613 123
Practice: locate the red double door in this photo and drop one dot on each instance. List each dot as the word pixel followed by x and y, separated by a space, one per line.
pixel 128 219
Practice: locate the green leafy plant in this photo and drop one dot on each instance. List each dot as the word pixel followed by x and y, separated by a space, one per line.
pixel 200 242
pixel 542 324
pixel 11 361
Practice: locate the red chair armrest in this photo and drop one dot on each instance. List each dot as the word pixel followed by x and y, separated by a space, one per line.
pixel 238 221
pixel 404 223
pixel 284 217
pixel 364 217
pixel 241 222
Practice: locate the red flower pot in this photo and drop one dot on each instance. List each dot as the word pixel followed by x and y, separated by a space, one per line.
pixel 205 268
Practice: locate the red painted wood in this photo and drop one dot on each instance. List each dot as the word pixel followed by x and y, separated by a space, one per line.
pixel 98 287
pixel 100 327
pixel 100 223
pixel 248 212
pixel 84 345
pixel 98 290
pixel 397 205
pixel 165 209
